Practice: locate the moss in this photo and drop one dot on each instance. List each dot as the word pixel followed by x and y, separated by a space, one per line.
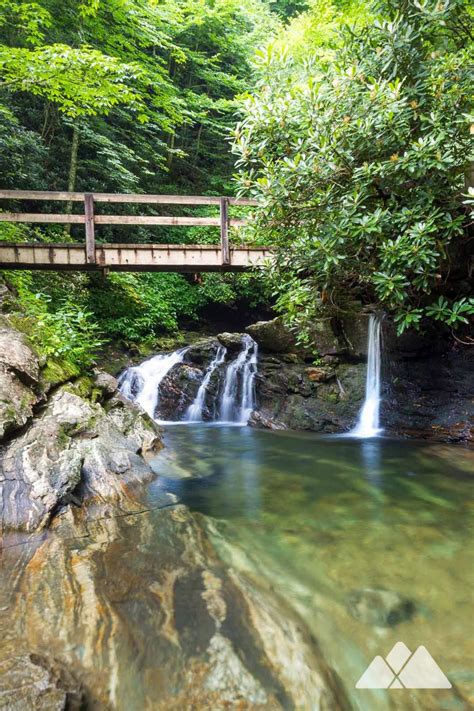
pixel 56 372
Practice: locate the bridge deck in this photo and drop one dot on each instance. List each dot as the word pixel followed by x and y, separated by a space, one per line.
pixel 129 257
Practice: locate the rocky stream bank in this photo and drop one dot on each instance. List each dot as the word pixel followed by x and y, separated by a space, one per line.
pixel 108 601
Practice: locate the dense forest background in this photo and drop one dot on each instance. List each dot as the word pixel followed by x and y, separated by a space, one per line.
pixel 353 132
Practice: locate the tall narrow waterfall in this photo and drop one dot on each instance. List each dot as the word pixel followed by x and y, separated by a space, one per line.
pixel 194 413
pixel 368 423
pixel 141 383
pixel 238 396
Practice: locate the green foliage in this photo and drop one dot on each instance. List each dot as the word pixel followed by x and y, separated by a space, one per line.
pixel 61 331
pixel 358 158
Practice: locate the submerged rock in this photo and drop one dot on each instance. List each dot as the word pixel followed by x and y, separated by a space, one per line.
pixel 149 617
pixel 381 608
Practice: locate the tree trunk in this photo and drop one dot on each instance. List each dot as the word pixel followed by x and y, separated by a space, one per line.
pixel 71 183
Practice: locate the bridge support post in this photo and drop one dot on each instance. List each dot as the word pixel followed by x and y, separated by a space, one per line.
pixel 225 250
pixel 90 234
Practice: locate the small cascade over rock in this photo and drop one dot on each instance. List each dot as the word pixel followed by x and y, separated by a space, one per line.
pixel 194 413
pixel 141 383
pixel 238 397
pixel 165 385
pixel 368 424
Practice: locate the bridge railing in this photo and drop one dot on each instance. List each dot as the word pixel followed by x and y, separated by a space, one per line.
pixel 90 219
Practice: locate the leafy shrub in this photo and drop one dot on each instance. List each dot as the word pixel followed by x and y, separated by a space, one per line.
pixel 359 159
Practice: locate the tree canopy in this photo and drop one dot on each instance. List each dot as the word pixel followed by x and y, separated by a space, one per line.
pixel 359 155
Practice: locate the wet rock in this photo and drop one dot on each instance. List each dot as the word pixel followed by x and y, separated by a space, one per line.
pixel 381 608
pixel 320 375
pixel 73 449
pixel 179 387
pixel 354 332
pixel 430 395
pixel 201 352
pixel 17 356
pixel 325 339
pixel 272 336
pixel 135 424
pixel 38 684
pixel 232 341
pixel 106 383
pixel 17 401
pixel 322 399
pixel 257 419
pixel 151 618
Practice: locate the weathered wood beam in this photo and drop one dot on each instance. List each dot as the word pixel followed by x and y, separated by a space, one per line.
pixel 129 257
pixel 116 219
pixel 224 218
pixel 35 217
pixel 90 234
pixel 121 198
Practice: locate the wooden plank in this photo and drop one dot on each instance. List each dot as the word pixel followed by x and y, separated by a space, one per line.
pixel 90 235
pixel 154 220
pixel 177 258
pixel 41 195
pixel 225 250
pixel 37 218
pixel 121 198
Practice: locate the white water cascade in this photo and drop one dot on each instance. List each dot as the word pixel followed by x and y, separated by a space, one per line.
pixel 241 372
pixel 368 424
pixel 194 413
pixel 235 398
pixel 141 383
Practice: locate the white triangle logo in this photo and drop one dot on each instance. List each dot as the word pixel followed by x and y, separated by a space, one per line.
pixel 403 670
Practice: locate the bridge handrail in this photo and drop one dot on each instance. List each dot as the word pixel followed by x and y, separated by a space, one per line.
pixel 90 219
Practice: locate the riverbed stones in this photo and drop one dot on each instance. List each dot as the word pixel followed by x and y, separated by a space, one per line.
pixel 379 607
pixel 150 617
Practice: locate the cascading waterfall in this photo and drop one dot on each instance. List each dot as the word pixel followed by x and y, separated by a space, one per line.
pixel 141 383
pixel 241 372
pixel 194 413
pixel 236 396
pixel 368 424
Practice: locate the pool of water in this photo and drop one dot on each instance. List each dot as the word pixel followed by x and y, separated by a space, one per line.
pixel 369 541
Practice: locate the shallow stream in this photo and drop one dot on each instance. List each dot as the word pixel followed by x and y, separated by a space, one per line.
pixel 327 521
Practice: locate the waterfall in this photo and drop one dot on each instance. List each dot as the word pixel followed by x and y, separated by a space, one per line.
pixel 141 383
pixel 235 398
pixel 195 410
pixel 240 375
pixel 368 422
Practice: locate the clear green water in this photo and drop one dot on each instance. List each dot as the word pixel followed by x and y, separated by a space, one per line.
pixel 319 518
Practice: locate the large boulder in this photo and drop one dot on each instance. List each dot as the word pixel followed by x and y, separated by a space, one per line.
pixel 73 451
pixel 272 336
pixel 19 376
pixel 17 355
pixel 151 618
pixel 232 341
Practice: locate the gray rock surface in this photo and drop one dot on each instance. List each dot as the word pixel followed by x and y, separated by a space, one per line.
pixel 38 684
pixel 272 336
pixel 67 448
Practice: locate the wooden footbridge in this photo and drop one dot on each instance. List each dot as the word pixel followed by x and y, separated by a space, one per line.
pixel 92 255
